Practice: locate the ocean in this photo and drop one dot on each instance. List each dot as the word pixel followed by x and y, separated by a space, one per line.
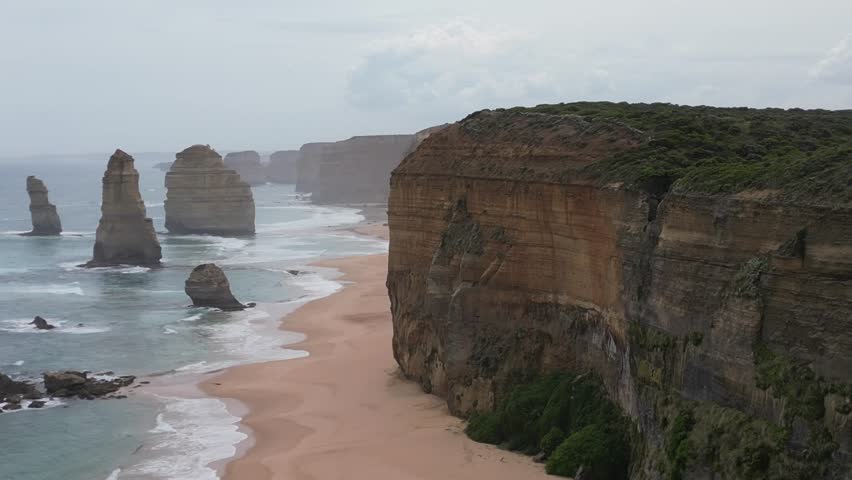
pixel 137 321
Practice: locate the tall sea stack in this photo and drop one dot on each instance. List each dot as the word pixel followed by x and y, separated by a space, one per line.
pixel 204 197
pixel 125 235
pixel 45 219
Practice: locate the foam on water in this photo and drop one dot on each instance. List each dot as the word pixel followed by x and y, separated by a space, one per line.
pixel 191 433
pixel 23 325
pixel 48 403
pixel 49 289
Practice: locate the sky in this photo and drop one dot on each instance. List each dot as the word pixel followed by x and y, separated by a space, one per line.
pixel 88 76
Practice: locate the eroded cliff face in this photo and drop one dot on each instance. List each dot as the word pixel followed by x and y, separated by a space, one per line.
pixel 125 235
pixel 308 168
pixel 205 197
pixel 248 165
pixel 357 170
pixel 283 166
pixel 507 258
pixel 44 217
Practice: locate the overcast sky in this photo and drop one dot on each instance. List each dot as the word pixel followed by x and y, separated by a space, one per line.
pixel 158 75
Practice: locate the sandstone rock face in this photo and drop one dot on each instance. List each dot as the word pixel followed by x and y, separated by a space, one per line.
pixel 507 259
pixel 205 197
pixel 125 236
pixel 45 219
pixel 248 165
pixel 283 166
pixel 208 286
pixel 308 168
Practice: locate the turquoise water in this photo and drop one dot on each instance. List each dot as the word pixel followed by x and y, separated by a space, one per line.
pixel 133 320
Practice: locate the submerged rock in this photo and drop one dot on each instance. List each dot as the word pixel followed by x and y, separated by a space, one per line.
pixel 125 235
pixel 78 384
pixel 44 217
pixel 41 324
pixel 208 286
pixel 203 196
pixel 37 404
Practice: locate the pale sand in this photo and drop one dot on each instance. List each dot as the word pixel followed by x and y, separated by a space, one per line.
pixel 344 412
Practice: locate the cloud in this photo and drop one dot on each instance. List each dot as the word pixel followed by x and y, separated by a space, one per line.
pixel 456 63
pixel 836 65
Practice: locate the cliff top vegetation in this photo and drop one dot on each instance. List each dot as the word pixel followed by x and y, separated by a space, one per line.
pixel 803 155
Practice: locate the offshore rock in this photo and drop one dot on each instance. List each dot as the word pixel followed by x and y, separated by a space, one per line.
pixel 125 235
pixel 208 286
pixel 79 384
pixel 509 258
pixel 44 217
pixel 11 389
pixel 41 324
pixel 205 197
pixel 283 166
pixel 248 165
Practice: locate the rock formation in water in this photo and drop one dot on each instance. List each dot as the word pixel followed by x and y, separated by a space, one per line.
pixel 283 166
pixel 205 197
pixel 208 286
pixel 248 165
pixel 79 384
pixel 667 250
pixel 125 236
pixel 41 324
pixel 12 388
pixel 308 168
pixel 44 217
pixel 164 166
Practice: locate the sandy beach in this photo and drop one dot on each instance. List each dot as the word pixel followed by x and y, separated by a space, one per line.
pixel 345 412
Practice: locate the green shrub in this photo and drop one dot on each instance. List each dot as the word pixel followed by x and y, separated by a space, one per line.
pixel 602 452
pixel 551 440
pixel 485 428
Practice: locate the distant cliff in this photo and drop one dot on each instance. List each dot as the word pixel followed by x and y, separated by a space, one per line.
pixel 203 196
pixel 283 166
pixel 698 260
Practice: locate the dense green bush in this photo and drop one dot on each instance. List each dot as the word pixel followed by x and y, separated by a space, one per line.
pixel 600 451
pixel 804 154
pixel 551 411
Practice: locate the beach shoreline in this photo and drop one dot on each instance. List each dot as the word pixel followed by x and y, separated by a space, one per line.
pixel 345 411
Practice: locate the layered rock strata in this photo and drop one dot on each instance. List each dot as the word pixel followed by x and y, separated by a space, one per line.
pixel 283 166
pixel 208 286
pixel 510 256
pixel 248 165
pixel 44 217
pixel 203 196
pixel 125 236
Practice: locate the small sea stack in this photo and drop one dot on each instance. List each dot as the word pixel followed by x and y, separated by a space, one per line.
pixel 125 234
pixel 205 197
pixel 44 217
pixel 248 165
pixel 208 286
pixel 41 324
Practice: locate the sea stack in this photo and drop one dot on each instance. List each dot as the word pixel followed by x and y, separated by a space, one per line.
pixel 283 166
pixel 45 219
pixel 208 286
pixel 205 197
pixel 248 165
pixel 125 235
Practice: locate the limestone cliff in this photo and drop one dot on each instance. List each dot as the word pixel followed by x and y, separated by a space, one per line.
pixel 125 236
pixel 248 165
pixel 357 170
pixel 308 168
pixel 283 166
pixel 44 217
pixel 205 197
pixel 669 250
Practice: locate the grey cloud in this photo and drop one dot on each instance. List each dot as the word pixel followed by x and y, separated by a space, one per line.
pixel 836 65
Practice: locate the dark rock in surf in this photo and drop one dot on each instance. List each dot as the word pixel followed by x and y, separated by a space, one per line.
pixel 9 388
pixel 208 286
pixel 78 384
pixel 41 324
pixel 37 404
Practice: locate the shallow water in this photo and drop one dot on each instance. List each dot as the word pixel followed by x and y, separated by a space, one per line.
pixel 134 320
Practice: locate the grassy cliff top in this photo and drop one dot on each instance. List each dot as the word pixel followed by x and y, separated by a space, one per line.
pixel 804 155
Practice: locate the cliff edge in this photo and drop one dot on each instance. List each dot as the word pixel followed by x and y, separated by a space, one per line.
pixel 698 260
